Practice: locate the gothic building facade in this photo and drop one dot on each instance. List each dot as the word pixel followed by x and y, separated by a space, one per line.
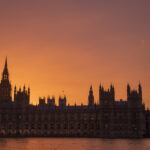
pixel 108 119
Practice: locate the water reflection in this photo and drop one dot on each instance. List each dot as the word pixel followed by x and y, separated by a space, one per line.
pixel 72 144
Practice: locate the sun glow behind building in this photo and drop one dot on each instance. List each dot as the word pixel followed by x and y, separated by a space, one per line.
pixel 70 45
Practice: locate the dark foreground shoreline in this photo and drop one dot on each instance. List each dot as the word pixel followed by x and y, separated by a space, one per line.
pixel 81 137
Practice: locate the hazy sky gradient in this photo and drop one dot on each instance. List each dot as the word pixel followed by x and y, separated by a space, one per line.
pixel 55 45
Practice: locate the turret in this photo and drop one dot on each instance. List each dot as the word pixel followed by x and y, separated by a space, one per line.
pixel 15 90
pixel 91 97
pixel 21 97
pixel 42 101
pixel 51 101
pixel 134 97
pixel 24 88
pixel 62 101
pixel 140 91
pixel 112 90
pixel 29 91
pixel 128 91
pixel 106 97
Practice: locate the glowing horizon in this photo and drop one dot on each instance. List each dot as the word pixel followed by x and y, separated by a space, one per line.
pixel 55 46
pixel 36 99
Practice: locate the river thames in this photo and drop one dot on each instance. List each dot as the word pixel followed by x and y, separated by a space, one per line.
pixel 73 144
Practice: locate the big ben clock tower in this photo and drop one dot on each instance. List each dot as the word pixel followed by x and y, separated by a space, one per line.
pixel 5 86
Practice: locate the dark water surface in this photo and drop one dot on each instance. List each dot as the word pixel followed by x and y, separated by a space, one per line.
pixel 72 144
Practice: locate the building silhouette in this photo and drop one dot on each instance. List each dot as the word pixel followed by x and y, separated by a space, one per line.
pixel 108 119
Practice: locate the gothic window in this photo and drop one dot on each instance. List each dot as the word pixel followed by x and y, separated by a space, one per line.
pixel 79 126
pixel 92 117
pixel 46 126
pixel 32 126
pixel 26 126
pixel 79 116
pixel 27 118
pixel 71 117
pixel 65 126
pixel 97 126
pixel 72 127
pixel 85 116
pixel 58 126
pixel 10 126
pixel 52 126
pixel 85 126
pixel 91 126
pixel 39 126
pixel 106 126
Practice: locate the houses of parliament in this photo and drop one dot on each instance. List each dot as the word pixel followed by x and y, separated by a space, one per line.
pixel 108 119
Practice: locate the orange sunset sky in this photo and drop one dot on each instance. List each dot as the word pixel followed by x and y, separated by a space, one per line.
pixel 56 45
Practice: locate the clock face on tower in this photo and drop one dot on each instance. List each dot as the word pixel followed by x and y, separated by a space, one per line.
pixel 5 77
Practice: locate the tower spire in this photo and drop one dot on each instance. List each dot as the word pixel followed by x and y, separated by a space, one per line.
pixel 6 66
pixel 5 83
pixel 5 71
pixel 91 88
pixel 140 90
pixel 6 61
